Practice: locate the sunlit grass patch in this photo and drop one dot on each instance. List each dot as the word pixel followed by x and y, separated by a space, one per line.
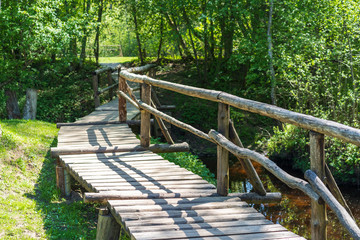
pixel 30 206
pixel 116 59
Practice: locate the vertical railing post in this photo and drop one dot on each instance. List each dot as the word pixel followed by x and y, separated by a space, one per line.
pixel 145 116
pixel 122 101
pixel 96 90
pixel 317 164
pixel 110 82
pixel 222 153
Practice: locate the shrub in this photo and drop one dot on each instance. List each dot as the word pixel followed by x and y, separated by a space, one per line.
pixel 290 148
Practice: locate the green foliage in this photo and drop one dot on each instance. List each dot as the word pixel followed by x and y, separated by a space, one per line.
pixel 29 200
pixel 290 148
pixel 190 162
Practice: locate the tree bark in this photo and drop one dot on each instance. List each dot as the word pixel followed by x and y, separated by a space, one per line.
pixel 137 34
pixel 97 36
pixel 12 105
pixel 270 51
pixel 30 104
pixel 161 38
pixel 84 39
pixel 175 28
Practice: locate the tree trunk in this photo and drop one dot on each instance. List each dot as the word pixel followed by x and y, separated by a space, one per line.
pixel 97 36
pixel 137 35
pixel 161 38
pixel 12 105
pixel 195 54
pixel 30 104
pixel 181 41
pixel 204 7
pixel 270 51
pixel 84 39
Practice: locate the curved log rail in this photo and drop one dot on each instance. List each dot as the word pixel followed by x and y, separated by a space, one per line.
pixel 318 127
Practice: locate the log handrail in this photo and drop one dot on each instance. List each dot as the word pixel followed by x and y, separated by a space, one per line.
pixel 327 127
pixel 315 125
pixel 269 165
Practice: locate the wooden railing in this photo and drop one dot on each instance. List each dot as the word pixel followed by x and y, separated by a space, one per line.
pixel 227 141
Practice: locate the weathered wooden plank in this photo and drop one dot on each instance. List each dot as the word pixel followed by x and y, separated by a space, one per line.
pixel 189 220
pixel 181 206
pixel 160 148
pixel 104 167
pixel 183 213
pixel 177 227
pixel 115 195
pixel 77 167
pixel 115 203
pixel 255 236
pixel 223 231
pixel 148 183
pixel 172 188
pixel 151 172
pixel 143 178
pixel 98 137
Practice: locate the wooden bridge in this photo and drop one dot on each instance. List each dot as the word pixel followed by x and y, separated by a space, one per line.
pixel 151 198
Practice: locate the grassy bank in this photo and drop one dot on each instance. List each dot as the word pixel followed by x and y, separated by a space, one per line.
pixel 30 207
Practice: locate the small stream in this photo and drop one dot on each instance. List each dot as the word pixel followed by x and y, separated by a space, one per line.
pixel 294 211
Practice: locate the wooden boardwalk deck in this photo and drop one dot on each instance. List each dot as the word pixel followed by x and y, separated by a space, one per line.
pixel 160 199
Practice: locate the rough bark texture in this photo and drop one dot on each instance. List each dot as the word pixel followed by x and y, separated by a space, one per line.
pixel 95 84
pixel 346 220
pixel 107 227
pixel 327 127
pixel 12 105
pixel 145 116
pixel 317 164
pixel 246 163
pixel 168 118
pixel 122 101
pixel 156 148
pixel 269 165
pixel 222 153
pixel 30 104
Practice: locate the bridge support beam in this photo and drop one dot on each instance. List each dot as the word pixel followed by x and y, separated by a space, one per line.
pixel 63 181
pixel 317 165
pixel 107 227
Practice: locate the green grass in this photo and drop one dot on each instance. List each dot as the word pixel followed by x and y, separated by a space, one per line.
pixel 116 59
pixel 30 207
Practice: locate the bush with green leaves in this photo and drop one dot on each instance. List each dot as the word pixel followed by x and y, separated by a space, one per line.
pixel 290 148
pixel 190 162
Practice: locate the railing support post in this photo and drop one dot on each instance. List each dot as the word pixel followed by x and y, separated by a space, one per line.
pixel 122 101
pixel 317 164
pixel 110 82
pixel 145 116
pixel 222 153
pixel 95 84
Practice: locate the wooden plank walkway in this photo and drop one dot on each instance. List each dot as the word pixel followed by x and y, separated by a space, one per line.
pixel 160 199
